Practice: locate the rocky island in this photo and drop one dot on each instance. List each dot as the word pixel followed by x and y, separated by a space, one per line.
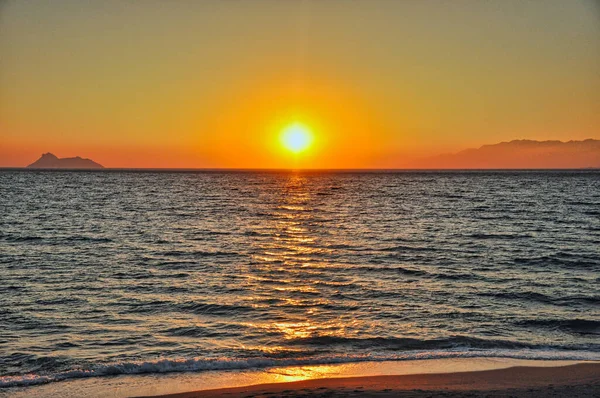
pixel 50 161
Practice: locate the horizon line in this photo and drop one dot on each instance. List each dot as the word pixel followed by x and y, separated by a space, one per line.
pixel 254 169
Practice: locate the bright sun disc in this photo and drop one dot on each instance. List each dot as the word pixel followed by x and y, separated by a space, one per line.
pixel 296 137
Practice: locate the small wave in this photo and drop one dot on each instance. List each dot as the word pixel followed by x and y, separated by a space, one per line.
pixel 404 344
pixel 386 269
pixel 592 213
pixel 457 276
pixel 60 300
pixel 499 236
pixel 206 332
pixel 137 275
pixel 578 326
pixel 198 253
pixel 526 296
pixel 583 299
pixel 542 298
pixel 204 364
pixel 10 238
pixel 178 265
pixel 341 246
pixel 560 260
pixel 404 248
pixel 86 239
pixel 54 239
pixel 255 233
pixel 213 308
pixel 420 272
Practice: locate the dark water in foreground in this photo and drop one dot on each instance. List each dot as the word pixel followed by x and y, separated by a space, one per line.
pixel 135 272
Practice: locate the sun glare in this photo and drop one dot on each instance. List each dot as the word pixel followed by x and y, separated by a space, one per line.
pixel 296 137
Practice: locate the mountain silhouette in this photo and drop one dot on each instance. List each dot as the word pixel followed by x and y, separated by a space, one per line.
pixel 50 161
pixel 520 154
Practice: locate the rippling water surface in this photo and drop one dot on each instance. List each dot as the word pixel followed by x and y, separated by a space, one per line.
pixel 135 272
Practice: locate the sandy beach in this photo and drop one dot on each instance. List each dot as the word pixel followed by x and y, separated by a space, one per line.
pixel 580 380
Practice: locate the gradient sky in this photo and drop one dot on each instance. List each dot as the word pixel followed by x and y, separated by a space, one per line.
pixel 211 83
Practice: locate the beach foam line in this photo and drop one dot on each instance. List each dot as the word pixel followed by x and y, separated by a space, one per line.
pixel 204 364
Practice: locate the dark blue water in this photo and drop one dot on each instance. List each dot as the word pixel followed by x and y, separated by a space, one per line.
pixel 135 272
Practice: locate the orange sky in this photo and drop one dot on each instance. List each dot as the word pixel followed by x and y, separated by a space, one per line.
pixel 213 83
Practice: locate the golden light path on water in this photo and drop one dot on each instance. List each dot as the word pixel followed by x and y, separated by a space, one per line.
pixel 292 251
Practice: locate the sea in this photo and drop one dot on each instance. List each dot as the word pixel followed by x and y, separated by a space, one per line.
pixel 115 272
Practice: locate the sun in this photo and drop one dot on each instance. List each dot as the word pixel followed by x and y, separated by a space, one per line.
pixel 296 137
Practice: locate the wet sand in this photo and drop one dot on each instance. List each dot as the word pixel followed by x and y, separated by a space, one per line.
pixel 580 380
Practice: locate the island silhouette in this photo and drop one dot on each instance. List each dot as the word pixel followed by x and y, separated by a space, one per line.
pixel 50 161
pixel 519 154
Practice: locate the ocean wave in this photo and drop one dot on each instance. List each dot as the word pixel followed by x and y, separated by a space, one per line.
pixel 69 239
pixel 452 342
pixel 205 332
pixel 198 253
pixel 560 259
pixel 10 238
pixel 390 269
pixel 420 272
pixel 579 326
pixel 86 239
pixel 60 300
pixel 405 248
pixel 213 308
pixel 484 236
pixel 204 364
pixel 542 298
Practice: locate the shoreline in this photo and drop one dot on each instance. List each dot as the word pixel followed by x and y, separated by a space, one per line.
pixel 582 379
pixel 324 378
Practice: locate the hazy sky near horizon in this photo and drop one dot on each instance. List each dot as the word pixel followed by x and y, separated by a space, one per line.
pixel 211 83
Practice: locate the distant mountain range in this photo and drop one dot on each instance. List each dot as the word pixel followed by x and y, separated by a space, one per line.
pixel 50 161
pixel 520 154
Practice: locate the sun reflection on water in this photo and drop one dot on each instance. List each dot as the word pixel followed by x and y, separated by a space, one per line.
pixel 289 264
